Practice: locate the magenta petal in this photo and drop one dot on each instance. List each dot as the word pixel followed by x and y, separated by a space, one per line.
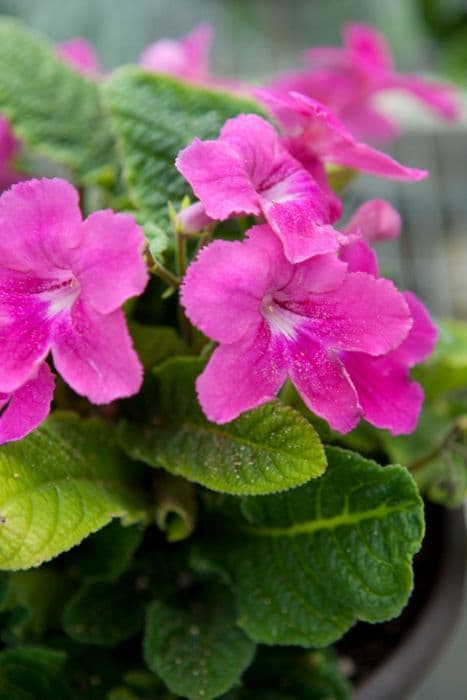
pixel 223 288
pixel 369 46
pixel 301 235
pixel 35 215
pixel 109 264
pixel 218 178
pixel 360 258
pixel 186 58
pixel 441 98
pixel 81 55
pixel 359 156
pixel 375 220
pixel 24 329
pixel 422 337
pixel 241 376
pixel 94 354
pixel 27 407
pixel 318 274
pixel 364 313
pixel 388 397
pixel 193 219
pixel 323 383
pixel 367 124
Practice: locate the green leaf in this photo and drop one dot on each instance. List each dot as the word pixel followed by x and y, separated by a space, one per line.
pixel 292 674
pixel 436 454
pixel 106 554
pixel 446 369
pixel 35 600
pixel 106 614
pixel 33 673
pixel 54 109
pixel 154 117
pixel 58 485
pixel 307 564
pixel 195 647
pixel 154 344
pixel 269 449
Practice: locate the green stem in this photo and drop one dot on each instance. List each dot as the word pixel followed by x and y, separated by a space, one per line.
pixel 165 275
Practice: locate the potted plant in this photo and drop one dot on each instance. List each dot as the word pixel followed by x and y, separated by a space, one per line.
pixel 231 475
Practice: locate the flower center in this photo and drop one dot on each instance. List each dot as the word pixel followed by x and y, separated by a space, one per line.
pixel 280 320
pixel 61 295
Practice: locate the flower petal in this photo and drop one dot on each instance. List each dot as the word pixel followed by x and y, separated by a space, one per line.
pixel 109 264
pixel 242 376
pixel 421 340
pixel 223 288
pixel 43 219
pixel 441 98
pixel 186 58
pixel 81 55
pixel 375 220
pixel 27 407
pixel 94 354
pixel 360 258
pixel 24 328
pixel 363 313
pixel 323 383
pixel 388 397
pixel 362 157
pixel 218 178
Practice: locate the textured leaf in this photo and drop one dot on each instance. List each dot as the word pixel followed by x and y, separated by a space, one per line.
pixel 436 454
pixel 55 110
pixel 307 564
pixel 292 674
pixel 58 485
pixel 446 369
pixel 106 614
pixel 106 554
pixel 33 673
pixel 154 117
pixel 156 343
pixel 197 649
pixel 269 449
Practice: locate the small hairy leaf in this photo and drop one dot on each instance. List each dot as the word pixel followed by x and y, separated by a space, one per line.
pixel 155 117
pixel 196 647
pixel 446 369
pixel 33 673
pixel 292 674
pixel 306 564
pixel 54 109
pixel 106 613
pixel 58 485
pixel 106 554
pixel 269 449
pixel 436 454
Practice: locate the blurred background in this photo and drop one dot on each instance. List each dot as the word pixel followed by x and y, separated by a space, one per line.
pixel 256 38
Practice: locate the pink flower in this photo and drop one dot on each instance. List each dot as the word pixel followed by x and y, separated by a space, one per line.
pixel 347 80
pixel 248 171
pixel 312 126
pixel 9 147
pixel 186 58
pixel 62 283
pixel 81 55
pixel 275 320
pixel 388 397
pixel 24 409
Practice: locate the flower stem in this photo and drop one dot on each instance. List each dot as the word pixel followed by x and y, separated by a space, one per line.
pixel 168 277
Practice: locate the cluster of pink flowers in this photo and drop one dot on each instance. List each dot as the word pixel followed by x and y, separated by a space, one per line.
pixel 299 299
pixel 62 283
